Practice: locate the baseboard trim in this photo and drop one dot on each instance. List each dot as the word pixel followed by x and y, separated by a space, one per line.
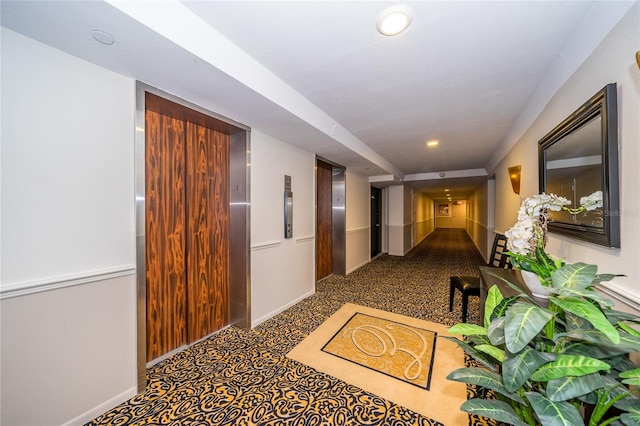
pixel 273 313
pixel 358 266
pixel 98 410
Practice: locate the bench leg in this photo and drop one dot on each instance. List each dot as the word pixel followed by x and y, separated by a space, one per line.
pixel 465 301
pixel 452 290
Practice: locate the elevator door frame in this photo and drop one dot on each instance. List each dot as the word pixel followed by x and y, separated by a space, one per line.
pixel 338 217
pixel 239 200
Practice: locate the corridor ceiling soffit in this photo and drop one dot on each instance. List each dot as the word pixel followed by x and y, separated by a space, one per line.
pixel 317 74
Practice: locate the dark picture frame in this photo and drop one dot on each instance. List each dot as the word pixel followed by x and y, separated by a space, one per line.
pixel 579 157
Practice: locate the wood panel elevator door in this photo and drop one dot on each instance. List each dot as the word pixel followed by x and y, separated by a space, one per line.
pixel 376 221
pixel 324 262
pixel 165 231
pixel 208 231
pixel 187 227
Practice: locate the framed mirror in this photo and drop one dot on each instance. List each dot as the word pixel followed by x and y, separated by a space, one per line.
pixel 579 158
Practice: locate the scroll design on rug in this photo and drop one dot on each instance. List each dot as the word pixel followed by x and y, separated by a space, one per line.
pixel 388 347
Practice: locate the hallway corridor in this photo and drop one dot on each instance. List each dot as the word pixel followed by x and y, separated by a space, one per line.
pixel 243 377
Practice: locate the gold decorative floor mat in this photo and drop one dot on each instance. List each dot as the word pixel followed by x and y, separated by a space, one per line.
pixel 392 348
pixel 441 401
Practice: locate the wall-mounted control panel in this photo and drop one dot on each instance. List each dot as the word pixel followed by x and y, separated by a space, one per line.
pixel 288 208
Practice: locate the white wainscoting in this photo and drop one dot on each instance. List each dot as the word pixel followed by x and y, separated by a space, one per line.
pixel 482 237
pixel 358 248
pixel 70 351
pixel 282 274
pixel 422 229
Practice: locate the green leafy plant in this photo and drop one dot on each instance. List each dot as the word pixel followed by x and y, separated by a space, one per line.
pixel 566 364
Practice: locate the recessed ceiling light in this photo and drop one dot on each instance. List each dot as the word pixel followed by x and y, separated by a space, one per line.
pixel 102 37
pixel 394 20
pixel 446 190
pixel 432 143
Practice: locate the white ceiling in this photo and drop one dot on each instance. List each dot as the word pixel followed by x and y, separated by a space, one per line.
pixel 317 74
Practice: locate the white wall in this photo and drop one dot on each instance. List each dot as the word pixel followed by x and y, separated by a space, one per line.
pixel 282 270
pixel 67 219
pixel 423 216
pixel 459 214
pixel 400 219
pixel 358 212
pixel 478 220
pixel 444 220
pixel 67 191
pixel 613 61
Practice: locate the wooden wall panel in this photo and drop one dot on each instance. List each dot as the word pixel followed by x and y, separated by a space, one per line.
pixel 165 234
pixel 324 265
pixel 208 230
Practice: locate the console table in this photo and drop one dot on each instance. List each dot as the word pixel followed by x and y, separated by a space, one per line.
pixel 495 276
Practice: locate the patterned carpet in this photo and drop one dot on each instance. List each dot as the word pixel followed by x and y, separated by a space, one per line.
pixel 242 377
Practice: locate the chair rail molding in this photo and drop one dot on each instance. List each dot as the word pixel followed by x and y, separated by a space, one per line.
pixel 54 283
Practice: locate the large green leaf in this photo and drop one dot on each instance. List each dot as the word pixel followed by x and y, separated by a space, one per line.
pixel 518 368
pixel 627 343
pixel 574 322
pixel 586 310
pixel 617 316
pixel 630 404
pixel 631 377
pixel 632 331
pixel 576 276
pixel 492 409
pixel 621 363
pixel 493 351
pixel 481 357
pixel 601 278
pixel 495 333
pixel 569 365
pixel 553 413
pixel 586 293
pixel 630 419
pixel 615 389
pixel 501 308
pixel 485 378
pixel 475 340
pixel 494 297
pixel 523 321
pixel 590 398
pixel 566 388
pixel 593 351
pixel 630 373
pixel 465 329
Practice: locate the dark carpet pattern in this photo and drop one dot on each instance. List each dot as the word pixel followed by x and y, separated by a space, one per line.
pixel 242 377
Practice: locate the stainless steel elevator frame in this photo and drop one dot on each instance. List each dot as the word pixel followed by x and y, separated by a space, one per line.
pixel 338 217
pixel 240 219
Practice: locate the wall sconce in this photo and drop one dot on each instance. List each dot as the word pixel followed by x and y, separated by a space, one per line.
pixel 638 58
pixel 514 175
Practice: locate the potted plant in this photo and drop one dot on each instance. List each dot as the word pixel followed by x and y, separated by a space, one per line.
pixel 527 239
pixel 563 364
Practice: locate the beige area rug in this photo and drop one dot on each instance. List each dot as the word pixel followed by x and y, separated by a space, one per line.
pixel 396 357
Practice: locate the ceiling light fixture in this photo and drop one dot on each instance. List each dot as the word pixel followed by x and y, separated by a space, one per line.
pixel 432 143
pixel 394 20
pixel 102 37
